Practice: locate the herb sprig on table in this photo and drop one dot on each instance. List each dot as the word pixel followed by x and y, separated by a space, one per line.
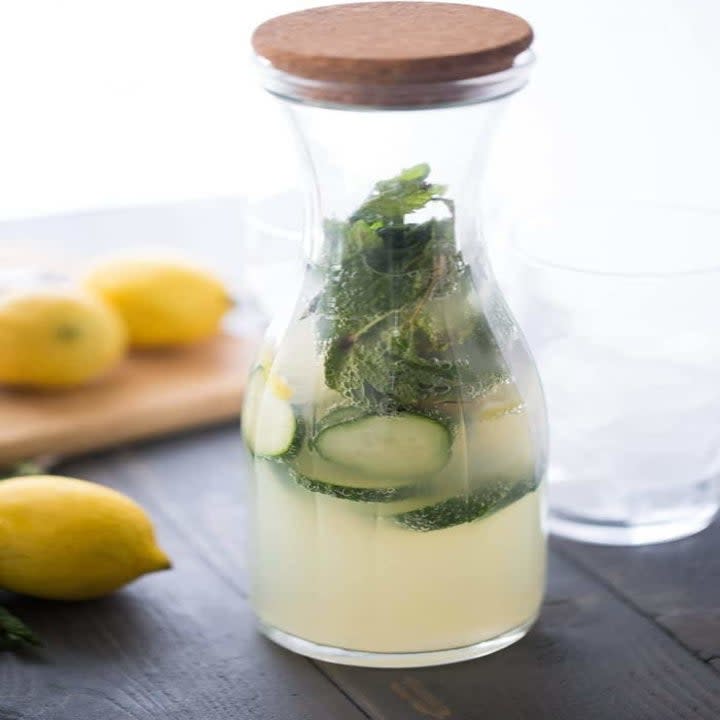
pixel 395 316
pixel 14 633
pixel 26 467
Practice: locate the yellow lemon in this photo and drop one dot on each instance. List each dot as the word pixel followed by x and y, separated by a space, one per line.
pixel 163 302
pixel 67 539
pixel 57 337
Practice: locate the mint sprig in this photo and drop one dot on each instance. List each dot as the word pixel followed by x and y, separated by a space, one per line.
pixel 14 633
pixel 397 316
pixel 392 199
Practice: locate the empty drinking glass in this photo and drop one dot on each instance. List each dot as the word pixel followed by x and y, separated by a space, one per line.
pixel 621 311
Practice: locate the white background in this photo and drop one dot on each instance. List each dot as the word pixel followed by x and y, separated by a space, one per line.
pixel 110 104
pixel 124 102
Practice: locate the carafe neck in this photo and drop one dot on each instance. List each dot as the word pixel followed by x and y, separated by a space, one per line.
pixel 349 154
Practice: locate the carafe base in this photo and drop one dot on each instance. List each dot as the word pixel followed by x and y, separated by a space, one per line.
pixel 342 656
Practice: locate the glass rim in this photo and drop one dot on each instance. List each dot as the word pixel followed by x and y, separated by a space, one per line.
pixel 406 96
pixel 709 268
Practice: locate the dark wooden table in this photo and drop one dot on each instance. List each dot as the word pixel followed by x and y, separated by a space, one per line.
pixel 625 634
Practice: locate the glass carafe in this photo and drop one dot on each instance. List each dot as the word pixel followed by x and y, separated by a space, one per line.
pixel 396 421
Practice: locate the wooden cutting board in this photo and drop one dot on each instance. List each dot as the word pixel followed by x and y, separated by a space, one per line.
pixel 151 394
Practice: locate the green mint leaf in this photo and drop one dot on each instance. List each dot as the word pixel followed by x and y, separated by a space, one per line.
pixel 392 199
pixel 417 173
pixel 396 317
pixel 14 634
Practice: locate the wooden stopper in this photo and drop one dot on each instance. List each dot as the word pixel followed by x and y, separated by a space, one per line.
pixel 392 43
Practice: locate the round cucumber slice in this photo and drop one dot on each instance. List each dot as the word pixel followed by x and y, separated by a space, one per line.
pixel 313 472
pixel 352 492
pixel 253 394
pixel 271 427
pixel 406 445
pixel 277 430
pixel 480 503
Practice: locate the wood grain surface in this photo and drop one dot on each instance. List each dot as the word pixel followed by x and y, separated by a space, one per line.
pixel 152 393
pixel 182 644
pixel 678 588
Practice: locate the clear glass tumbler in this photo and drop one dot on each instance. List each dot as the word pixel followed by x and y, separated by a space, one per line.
pixel 621 311
pixel 396 421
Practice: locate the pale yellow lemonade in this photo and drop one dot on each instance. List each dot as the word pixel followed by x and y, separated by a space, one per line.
pixel 396 428
pixel 357 581
pixel 350 574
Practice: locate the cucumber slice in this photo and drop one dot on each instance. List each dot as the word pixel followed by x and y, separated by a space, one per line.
pixel 461 509
pixel 406 445
pixel 420 499
pixel 278 430
pixel 350 492
pixel 253 394
pixel 314 473
pixel 271 427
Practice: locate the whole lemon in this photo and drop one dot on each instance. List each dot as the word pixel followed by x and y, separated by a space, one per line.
pixel 163 302
pixel 67 539
pixel 57 337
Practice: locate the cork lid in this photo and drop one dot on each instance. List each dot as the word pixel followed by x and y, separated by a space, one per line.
pixel 392 43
